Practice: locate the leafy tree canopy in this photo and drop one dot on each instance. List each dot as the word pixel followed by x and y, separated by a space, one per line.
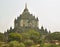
pixel 1 37
pixel 53 36
pixel 15 36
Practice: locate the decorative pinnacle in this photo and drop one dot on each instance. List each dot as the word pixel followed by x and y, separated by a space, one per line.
pixel 25 5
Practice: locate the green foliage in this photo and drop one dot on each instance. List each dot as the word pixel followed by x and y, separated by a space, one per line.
pixel 30 38
pixel 28 42
pixel 22 45
pixel 25 36
pixel 53 36
pixel 1 37
pixel 15 36
pixel 34 35
pixel 14 44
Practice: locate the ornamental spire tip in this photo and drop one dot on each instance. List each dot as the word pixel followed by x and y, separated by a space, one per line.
pixel 25 5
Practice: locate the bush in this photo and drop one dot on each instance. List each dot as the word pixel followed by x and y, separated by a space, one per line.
pixel 14 44
pixel 15 36
pixel 28 42
pixel 22 45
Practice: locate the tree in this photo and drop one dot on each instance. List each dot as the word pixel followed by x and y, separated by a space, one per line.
pixel 22 45
pixel 28 42
pixel 15 36
pixel 25 36
pixel 1 37
pixel 53 36
pixel 14 44
pixel 34 35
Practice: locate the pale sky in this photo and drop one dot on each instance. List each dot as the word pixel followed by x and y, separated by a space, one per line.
pixel 48 12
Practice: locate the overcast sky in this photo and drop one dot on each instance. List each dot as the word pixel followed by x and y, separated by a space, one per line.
pixel 48 12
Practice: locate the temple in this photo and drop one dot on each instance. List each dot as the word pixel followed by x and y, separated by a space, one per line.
pixel 25 20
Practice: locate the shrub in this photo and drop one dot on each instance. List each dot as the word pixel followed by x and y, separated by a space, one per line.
pixel 14 44
pixel 22 45
pixel 28 42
